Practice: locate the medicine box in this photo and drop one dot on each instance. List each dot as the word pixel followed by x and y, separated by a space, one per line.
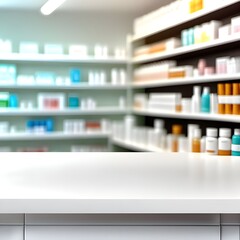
pixel 8 74
pixel 29 48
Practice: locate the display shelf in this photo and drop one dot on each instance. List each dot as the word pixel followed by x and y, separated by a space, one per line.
pixel 51 136
pixel 187 50
pixel 66 112
pixel 82 86
pixel 17 57
pixel 133 146
pixel 195 116
pixel 208 14
pixel 185 81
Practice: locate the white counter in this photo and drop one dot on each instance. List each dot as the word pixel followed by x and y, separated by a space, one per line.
pixel 118 183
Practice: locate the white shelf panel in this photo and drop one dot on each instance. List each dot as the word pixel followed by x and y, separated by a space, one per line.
pixel 133 146
pixel 185 81
pixel 81 86
pixel 51 136
pixel 190 18
pixel 67 112
pixel 17 57
pixel 188 49
pixel 200 116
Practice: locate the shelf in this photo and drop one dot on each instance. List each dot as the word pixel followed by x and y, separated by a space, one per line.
pixel 185 81
pixel 133 146
pixel 17 57
pixel 187 50
pixel 67 112
pixel 200 116
pixel 224 7
pixel 51 136
pixel 81 86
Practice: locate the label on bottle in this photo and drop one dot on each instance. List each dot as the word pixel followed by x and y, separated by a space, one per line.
pixel 235 148
pixel 224 144
pixel 211 145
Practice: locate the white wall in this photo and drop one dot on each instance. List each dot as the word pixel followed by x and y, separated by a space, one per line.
pixel 65 27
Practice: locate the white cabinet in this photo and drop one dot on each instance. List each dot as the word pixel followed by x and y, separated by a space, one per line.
pixel 11 232
pixel 230 233
pixel 122 233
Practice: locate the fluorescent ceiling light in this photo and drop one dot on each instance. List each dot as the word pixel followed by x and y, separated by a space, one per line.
pixel 50 6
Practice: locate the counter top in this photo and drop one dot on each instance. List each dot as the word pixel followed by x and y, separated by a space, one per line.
pixel 118 183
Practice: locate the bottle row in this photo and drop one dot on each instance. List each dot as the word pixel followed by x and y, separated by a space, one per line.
pixel 40 126
pixel 226 101
pixel 8 76
pixel 52 101
pixel 73 148
pixel 158 138
pixel 206 32
pixel 77 50
pixel 174 12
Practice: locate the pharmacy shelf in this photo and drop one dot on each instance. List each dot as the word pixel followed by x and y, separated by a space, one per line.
pixel 133 146
pixel 66 112
pixel 207 14
pixel 82 86
pixel 17 57
pixel 200 116
pixel 185 81
pixel 51 136
pixel 187 50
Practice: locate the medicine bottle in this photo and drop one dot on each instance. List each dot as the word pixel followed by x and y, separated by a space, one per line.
pixel 224 142
pixel 211 141
pixel 236 143
pixel 176 133
pixel 196 142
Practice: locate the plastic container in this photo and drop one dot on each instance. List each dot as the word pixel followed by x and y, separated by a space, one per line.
pixel 212 141
pixel 196 142
pixel 236 143
pixel 205 100
pixel 224 142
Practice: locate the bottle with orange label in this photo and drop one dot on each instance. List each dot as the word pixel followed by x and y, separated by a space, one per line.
pixel 221 92
pixel 224 142
pixel 212 141
pixel 176 133
pixel 228 92
pixel 236 92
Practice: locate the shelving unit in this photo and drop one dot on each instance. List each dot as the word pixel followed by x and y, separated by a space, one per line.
pixel 52 136
pixel 31 63
pixel 184 56
pixel 200 116
pixel 184 51
pixel 133 146
pixel 224 8
pixel 67 112
pixel 49 58
pixel 82 86
pixel 184 81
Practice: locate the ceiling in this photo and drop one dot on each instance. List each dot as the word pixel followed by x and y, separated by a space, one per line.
pixel 134 6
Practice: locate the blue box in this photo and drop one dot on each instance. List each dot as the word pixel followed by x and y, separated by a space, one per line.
pixel 75 75
pixel 73 102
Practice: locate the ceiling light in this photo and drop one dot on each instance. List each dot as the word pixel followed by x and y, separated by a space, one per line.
pixel 50 6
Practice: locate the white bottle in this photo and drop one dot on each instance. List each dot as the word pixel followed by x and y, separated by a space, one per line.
pixel 196 99
pixel 212 141
pixel 114 76
pixel 224 142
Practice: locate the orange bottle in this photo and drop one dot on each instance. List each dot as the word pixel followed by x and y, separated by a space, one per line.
pixel 196 142
pixel 221 92
pixel 236 92
pixel 228 92
pixel 176 131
